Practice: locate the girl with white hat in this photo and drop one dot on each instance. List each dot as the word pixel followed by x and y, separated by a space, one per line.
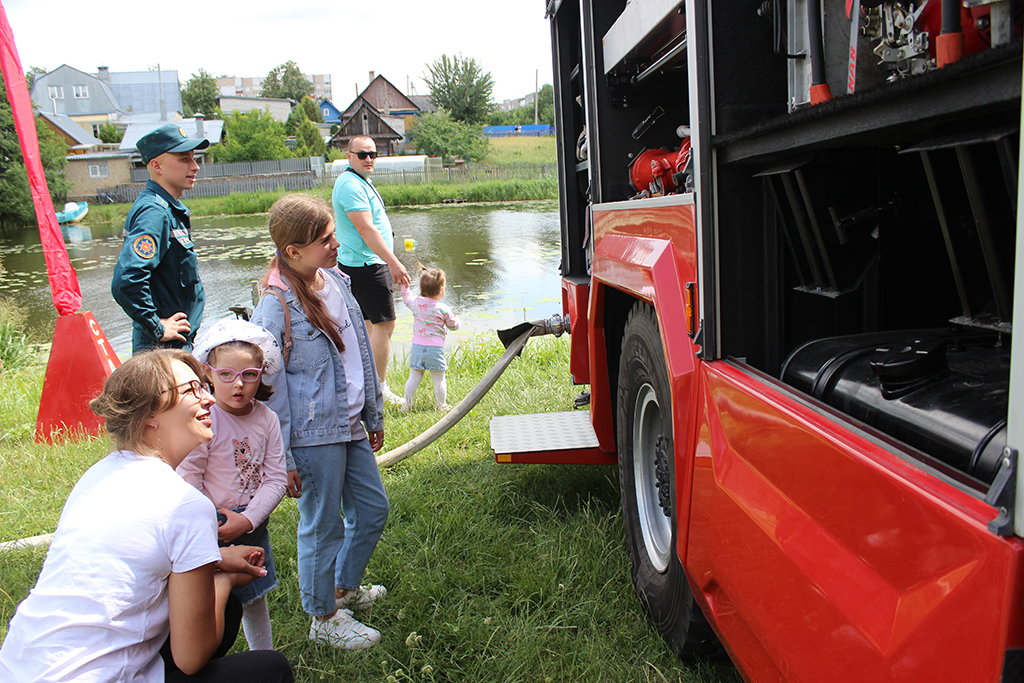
pixel 242 469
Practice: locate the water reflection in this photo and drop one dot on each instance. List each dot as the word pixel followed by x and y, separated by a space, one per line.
pixel 501 261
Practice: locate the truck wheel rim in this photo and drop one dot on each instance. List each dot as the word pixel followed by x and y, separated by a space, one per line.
pixel 655 520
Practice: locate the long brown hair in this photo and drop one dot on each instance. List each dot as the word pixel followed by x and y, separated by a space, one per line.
pixel 137 389
pixel 300 219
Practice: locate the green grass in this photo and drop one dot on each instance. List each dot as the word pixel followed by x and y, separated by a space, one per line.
pixel 394 195
pixel 495 572
pixel 521 150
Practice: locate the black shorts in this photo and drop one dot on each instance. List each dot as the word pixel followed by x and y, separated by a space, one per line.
pixel 374 290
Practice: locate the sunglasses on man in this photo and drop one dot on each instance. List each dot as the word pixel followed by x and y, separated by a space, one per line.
pixel 362 155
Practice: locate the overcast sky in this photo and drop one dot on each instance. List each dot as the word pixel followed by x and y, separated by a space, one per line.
pixel 396 38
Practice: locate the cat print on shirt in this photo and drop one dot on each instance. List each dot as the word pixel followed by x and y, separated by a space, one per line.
pixel 249 476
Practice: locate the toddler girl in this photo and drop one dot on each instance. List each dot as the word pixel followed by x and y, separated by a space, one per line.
pixel 432 321
pixel 242 470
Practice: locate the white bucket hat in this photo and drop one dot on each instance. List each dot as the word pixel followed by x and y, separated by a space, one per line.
pixel 233 329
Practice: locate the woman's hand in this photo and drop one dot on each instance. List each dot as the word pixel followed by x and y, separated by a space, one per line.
pixel 236 525
pixel 377 440
pixel 241 564
pixel 294 484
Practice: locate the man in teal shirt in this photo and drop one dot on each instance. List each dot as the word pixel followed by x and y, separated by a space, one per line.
pixel 156 279
pixel 367 251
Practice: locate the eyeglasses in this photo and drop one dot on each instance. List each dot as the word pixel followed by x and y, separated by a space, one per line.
pixel 363 155
pixel 229 375
pixel 193 386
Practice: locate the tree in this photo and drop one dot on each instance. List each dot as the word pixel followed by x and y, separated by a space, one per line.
pixel 312 110
pixel 439 135
pixel 309 141
pixel 297 116
pixel 459 85
pixel 286 81
pixel 16 206
pixel 200 94
pixel 251 136
pixel 31 75
pixel 110 134
pixel 524 115
pixel 306 110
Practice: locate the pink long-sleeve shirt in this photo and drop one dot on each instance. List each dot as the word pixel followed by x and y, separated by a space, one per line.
pixel 431 319
pixel 242 465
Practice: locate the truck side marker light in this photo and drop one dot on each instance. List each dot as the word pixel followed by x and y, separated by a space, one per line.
pixel 689 308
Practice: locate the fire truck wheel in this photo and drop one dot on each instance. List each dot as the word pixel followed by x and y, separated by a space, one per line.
pixel 647 480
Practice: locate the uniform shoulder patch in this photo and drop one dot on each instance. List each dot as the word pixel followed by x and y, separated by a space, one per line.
pixel 144 246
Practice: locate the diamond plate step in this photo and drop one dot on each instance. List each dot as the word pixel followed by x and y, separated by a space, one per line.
pixel 547 438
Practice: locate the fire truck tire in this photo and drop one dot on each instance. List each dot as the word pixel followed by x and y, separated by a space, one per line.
pixel 648 490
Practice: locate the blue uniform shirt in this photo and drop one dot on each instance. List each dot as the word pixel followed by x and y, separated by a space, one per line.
pixel 157 273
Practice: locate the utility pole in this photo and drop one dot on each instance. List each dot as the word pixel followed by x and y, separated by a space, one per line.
pixel 163 102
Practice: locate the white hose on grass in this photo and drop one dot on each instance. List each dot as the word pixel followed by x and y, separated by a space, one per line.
pixel 399 454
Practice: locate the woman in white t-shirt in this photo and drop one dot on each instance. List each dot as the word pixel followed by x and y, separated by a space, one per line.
pixel 134 587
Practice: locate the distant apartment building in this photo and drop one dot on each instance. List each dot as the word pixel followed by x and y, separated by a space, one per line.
pixel 509 105
pixel 237 86
pixel 240 87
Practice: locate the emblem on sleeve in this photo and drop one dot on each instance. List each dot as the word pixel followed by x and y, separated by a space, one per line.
pixel 144 246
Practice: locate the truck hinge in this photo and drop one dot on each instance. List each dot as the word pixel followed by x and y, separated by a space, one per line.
pixel 698 341
pixel 1003 493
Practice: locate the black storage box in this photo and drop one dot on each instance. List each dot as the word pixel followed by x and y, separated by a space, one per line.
pixel 942 392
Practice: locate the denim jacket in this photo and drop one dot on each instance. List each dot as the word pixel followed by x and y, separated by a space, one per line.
pixel 311 399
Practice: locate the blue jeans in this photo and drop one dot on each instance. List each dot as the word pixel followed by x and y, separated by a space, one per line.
pixel 333 552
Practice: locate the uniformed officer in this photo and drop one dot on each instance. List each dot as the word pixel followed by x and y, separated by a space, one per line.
pixel 156 280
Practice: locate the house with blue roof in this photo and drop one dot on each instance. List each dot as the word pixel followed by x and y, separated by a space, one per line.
pixel 329 111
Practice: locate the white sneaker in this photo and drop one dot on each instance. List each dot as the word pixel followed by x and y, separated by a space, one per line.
pixel 343 631
pixel 392 397
pixel 362 597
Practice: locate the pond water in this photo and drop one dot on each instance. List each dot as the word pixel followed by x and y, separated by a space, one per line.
pixel 501 261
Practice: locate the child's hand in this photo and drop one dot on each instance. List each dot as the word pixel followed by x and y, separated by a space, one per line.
pixel 236 525
pixel 241 563
pixel 294 484
pixel 376 440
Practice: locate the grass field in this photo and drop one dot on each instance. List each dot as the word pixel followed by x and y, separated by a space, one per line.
pixel 512 150
pixel 500 573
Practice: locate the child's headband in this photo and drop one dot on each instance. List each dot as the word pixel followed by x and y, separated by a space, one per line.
pixel 233 329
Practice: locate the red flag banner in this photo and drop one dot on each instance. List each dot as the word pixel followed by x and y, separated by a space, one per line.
pixel 67 297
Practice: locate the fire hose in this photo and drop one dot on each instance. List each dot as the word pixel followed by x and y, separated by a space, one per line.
pixel 514 339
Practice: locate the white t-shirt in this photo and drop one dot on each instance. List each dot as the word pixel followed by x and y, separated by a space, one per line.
pixel 99 611
pixel 350 357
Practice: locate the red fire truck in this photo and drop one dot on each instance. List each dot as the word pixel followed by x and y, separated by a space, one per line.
pixel 788 247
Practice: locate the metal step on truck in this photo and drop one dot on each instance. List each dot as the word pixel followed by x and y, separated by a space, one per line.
pixel 789 238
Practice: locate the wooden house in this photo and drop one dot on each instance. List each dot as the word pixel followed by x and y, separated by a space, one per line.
pixel 364 119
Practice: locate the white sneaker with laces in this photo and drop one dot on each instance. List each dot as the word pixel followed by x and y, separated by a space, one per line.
pixel 392 397
pixel 344 632
pixel 361 598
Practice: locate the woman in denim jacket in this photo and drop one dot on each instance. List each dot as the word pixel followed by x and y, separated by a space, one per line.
pixel 328 393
